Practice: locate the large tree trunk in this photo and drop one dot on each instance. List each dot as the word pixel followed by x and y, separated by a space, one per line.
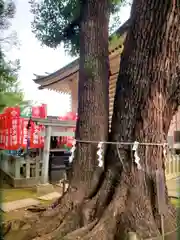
pixel 147 96
pixel 145 101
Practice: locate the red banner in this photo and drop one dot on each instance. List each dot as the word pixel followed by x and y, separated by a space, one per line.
pixel 69 116
pixel 36 139
pixel 12 111
pixel 2 131
pixel 39 111
pixel 14 133
pixel 24 132
pixel 6 130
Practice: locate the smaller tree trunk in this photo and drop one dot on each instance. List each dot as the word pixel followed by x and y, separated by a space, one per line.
pixel 93 113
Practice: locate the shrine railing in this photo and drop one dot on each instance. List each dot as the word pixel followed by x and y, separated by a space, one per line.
pixel 172 167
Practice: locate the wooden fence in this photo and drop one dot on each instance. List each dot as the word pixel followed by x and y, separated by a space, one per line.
pixel 172 167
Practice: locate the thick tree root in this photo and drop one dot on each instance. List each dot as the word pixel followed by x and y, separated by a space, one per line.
pixel 81 232
pixel 128 209
pixel 45 222
pixel 116 221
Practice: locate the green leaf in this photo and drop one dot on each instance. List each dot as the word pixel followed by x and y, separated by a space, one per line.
pixel 51 18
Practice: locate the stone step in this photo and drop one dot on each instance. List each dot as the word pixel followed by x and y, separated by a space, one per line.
pixel 50 196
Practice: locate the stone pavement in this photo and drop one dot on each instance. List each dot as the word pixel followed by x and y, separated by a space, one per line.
pixel 50 196
pixel 173 190
pixel 14 205
pixel 45 192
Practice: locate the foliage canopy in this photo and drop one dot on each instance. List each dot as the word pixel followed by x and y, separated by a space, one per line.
pixel 57 21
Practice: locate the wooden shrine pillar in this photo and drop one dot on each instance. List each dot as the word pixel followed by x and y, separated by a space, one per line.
pixel 74 95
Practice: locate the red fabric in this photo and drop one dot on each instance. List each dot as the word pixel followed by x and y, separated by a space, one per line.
pixel 13 129
pixel 42 128
pixel 14 133
pixel 69 116
pixel 2 130
pixel 24 132
pixel 43 111
pixel 13 111
pixel 39 111
pixel 9 131
pixel 6 130
pixel 36 112
pixel 36 139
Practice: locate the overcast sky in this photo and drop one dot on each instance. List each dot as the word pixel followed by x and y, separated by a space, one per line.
pixel 37 59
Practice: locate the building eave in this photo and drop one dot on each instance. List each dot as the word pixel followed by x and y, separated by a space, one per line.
pixel 70 71
pixel 69 67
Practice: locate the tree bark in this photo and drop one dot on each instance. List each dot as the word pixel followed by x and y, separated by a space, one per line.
pixel 145 102
pixel 93 100
pixel 146 99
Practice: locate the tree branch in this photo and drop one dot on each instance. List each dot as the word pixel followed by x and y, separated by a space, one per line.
pixel 69 31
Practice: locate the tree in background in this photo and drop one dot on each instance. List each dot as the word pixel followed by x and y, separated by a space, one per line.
pixel 10 92
pixel 7 12
pixel 125 198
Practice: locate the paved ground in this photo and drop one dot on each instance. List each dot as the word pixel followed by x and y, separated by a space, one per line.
pixel 18 204
pixel 50 196
pixel 172 185
pixel 10 195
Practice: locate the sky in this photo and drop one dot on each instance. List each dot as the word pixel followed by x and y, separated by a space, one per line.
pixel 37 59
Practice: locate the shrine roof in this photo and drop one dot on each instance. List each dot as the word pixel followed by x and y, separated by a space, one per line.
pixel 69 71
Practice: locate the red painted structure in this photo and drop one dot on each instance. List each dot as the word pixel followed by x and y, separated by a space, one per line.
pixel 15 131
